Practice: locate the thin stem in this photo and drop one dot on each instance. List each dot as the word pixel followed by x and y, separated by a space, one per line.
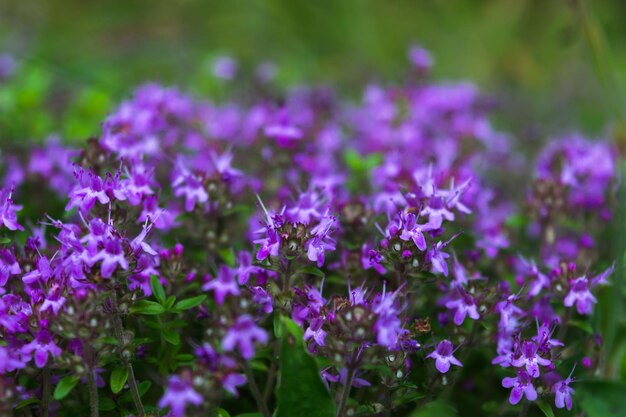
pixel 525 406
pixel 271 375
pixel 93 393
pixel 118 329
pixel 46 391
pixel 345 394
pixel 255 391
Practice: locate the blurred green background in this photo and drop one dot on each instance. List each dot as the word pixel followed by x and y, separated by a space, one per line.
pixel 553 65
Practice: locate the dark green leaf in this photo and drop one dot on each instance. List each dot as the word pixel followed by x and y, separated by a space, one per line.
pixel 147 307
pixel 118 379
pixel 602 398
pixel 311 270
pixel 222 413
pixel 157 289
pixel 26 403
pixel 189 303
pixel 228 256
pixel 436 409
pixel 171 337
pixel 106 404
pixel 545 408
pixel 301 390
pixel 65 386
pixel 169 303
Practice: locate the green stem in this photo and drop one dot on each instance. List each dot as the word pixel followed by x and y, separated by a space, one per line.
pixel 118 329
pixel 93 393
pixel 46 392
pixel 255 391
pixel 345 394
pixel 524 410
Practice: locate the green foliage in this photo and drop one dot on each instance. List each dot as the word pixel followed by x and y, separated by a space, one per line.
pixel 65 386
pixel 300 389
pixel 147 308
pixel 436 409
pixel 119 376
pixel 602 398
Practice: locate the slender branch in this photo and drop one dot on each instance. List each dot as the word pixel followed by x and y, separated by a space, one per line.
pixel 118 329
pixel 255 391
pixel 525 406
pixel 46 392
pixel 93 393
pixel 345 394
pixel 271 375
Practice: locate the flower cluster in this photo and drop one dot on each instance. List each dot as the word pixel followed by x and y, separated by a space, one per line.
pixel 377 250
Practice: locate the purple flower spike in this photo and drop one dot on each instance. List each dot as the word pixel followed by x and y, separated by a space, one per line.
pixel 522 385
pixel 443 356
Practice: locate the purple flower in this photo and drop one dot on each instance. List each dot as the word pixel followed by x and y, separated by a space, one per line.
pixel 522 385
pixel 10 360
pixel 580 293
pixel 8 266
pixel 563 393
pixel 242 335
pixel 411 230
pixel 223 284
pixel 178 395
pixel 464 306
pixel 444 356
pixel 437 258
pixel 42 346
pixel 530 359
pixel 112 256
pixel 230 382
pixel 8 218
pixel 225 67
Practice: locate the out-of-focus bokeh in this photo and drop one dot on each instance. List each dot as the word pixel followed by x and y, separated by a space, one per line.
pixel 551 65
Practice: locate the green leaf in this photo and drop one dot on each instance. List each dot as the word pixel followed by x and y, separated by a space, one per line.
pixel 311 270
pixel 189 303
pixel 171 337
pixel 146 307
pixel 228 255
pixel 222 413
pixel 65 386
pixel 157 289
pixel 249 415
pixel 5 241
pixel 436 409
pixel 118 379
pixel 106 404
pixel 26 403
pixel 602 398
pixel 169 303
pixel 545 408
pixel 277 325
pixel 301 390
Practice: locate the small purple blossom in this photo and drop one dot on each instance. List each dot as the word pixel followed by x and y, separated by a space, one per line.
pixel 444 356
pixel 242 336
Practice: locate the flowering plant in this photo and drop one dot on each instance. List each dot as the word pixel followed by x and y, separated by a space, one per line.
pixel 301 254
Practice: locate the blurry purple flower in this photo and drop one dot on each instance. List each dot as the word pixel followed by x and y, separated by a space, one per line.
pixel 222 285
pixel 178 395
pixel 242 336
